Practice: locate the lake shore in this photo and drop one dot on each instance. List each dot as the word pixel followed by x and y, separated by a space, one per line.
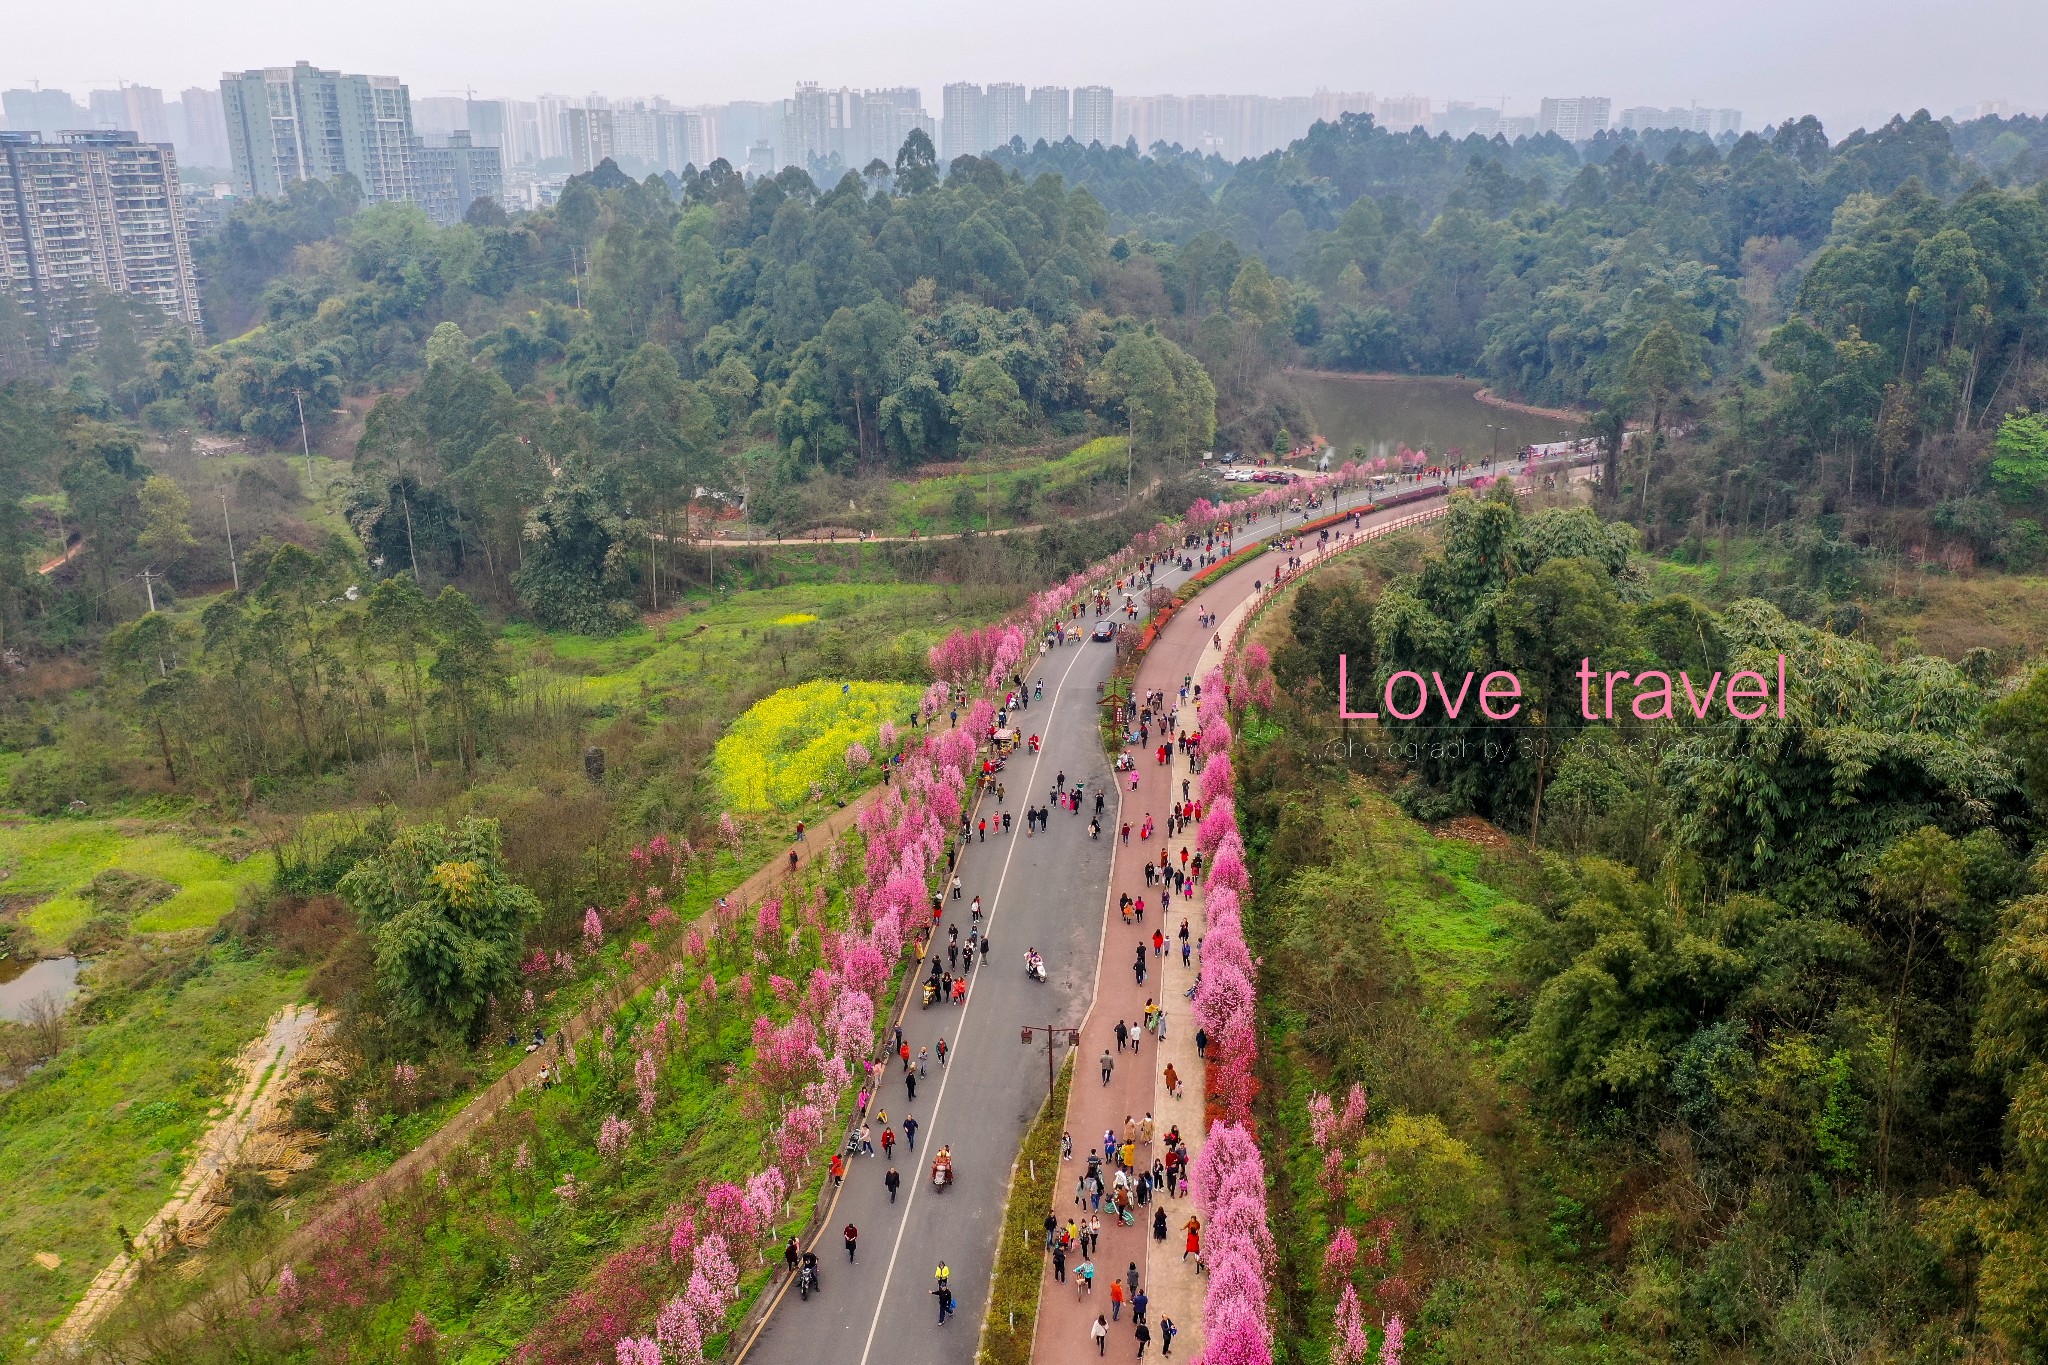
pixel 1480 393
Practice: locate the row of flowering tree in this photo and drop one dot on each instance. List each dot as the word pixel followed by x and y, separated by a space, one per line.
pixel 711 1097
pixel 1228 1174
pixel 804 1058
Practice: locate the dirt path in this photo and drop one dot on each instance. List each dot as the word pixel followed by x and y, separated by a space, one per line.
pixel 489 1101
pixel 71 552
pixel 265 1064
pixel 850 536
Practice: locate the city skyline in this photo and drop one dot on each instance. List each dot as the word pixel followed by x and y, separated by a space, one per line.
pixel 556 134
pixel 1773 60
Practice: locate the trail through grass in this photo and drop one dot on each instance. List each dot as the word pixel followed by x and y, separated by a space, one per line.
pixel 97 1139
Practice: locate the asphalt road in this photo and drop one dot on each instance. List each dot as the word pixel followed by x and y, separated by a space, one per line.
pixel 1047 892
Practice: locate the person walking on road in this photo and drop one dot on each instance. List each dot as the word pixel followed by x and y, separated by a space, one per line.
pixel 852 1236
pixel 790 1256
pixel 1123 1035
pixel 1167 1332
pixel 1194 1246
pixel 889 1142
pixel 945 1298
pixel 838 1169
pixel 910 1132
pixel 1116 1300
pixel 910 1084
pixel 892 1181
pixel 1172 1079
pixel 1100 1331
pixel 942 1052
pixel 1139 1302
pixel 1108 1065
pixel 1059 1265
pixel 1144 1335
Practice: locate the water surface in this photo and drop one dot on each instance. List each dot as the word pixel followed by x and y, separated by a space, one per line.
pixel 24 980
pixel 1433 415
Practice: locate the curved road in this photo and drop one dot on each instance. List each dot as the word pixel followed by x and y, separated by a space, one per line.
pixel 1048 892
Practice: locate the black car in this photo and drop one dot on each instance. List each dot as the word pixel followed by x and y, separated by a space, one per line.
pixel 1104 630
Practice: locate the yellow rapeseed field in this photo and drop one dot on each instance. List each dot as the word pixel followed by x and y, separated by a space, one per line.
pixel 795 739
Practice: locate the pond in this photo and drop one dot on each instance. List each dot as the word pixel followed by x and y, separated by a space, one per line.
pixel 1433 415
pixel 24 980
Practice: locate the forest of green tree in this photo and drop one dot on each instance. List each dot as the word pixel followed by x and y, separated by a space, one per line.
pixel 1827 335
pixel 1742 1055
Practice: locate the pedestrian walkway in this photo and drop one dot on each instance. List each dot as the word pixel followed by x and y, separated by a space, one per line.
pixel 1177 1282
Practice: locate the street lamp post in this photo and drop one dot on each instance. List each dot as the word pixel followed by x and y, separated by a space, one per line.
pixel 1053 1033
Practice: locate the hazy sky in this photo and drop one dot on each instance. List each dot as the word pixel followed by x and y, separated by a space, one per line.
pixel 1850 62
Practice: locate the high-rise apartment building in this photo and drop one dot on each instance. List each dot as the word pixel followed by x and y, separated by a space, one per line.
pixel 1230 126
pixel 1576 119
pixel 742 126
pixel 549 110
pixel 886 120
pixel 636 137
pixel 138 109
pixel 963 121
pixel 1401 113
pixel 1693 119
pixel 586 138
pixel 95 209
pixel 860 127
pixel 1049 115
pixel 48 112
pixel 292 123
pixel 656 136
pixel 1094 115
pixel 1007 106
pixel 199 129
pixel 811 126
pixel 455 173
pixel 1331 105
pixel 1460 119
pixel 440 115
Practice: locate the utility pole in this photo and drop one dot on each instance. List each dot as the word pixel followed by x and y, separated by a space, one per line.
pixel 1053 1033
pixel 1130 449
pixel 149 588
pixel 237 568
pixel 305 441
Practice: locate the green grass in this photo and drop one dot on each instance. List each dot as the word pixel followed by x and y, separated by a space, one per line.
pixel 97 1139
pixel 1448 915
pixel 733 640
pixel 1007 1333
pixel 55 860
pixel 1023 490
pixel 490 1253
pixel 1432 893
